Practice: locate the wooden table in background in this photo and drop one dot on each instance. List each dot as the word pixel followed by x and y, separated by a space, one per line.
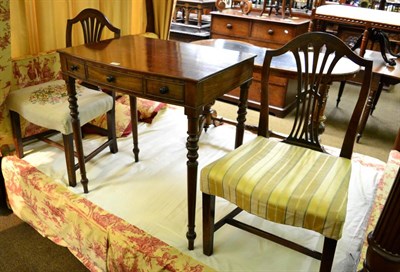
pixel 367 19
pixel 182 74
pixel 282 66
pixel 355 16
pixel 382 74
pixel 264 31
pixel 197 6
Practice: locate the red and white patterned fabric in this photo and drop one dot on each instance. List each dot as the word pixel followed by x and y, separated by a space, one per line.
pixel 99 239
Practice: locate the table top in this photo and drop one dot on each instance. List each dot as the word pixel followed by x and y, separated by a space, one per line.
pixel 236 46
pixel 284 63
pixel 361 16
pixel 155 57
pixel 380 67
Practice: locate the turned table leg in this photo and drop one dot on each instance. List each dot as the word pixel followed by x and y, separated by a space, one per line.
pixel 76 126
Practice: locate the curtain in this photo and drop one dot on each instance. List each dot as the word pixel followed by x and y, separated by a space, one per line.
pixel 39 25
pixel 163 10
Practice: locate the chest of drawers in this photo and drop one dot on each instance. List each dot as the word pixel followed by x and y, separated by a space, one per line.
pixel 265 31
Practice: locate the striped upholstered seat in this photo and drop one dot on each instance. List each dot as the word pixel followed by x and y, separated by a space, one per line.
pixel 308 190
pixel 292 181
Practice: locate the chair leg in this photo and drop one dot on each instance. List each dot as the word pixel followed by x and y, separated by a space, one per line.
pixel 70 158
pixel 17 135
pixel 341 88
pixel 134 122
pixel 112 135
pixel 328 253
pixel 208 223
pixel 377 95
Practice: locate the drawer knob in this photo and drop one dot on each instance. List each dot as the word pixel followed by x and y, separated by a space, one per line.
pixel 110 79
pixel 270 31
pixel 229 26
pixel 164 90
pixel 74 67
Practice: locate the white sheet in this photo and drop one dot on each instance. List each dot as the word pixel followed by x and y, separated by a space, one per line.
pixel 151 194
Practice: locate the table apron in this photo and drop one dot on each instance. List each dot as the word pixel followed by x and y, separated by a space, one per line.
pixel 181 92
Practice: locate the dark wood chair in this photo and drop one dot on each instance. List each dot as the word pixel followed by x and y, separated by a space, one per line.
pixel 93 23
pixel 50 108
pixel 291 181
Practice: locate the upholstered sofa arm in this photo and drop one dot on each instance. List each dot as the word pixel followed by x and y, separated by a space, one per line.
pixel 384 186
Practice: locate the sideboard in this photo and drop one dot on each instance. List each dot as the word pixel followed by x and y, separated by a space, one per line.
pixel 264 31
pixel 364 18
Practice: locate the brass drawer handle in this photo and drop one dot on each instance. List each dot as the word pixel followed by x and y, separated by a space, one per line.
pixel 110 79
pixel 229 26
pixel 164 90
pixel 74 67
pixel 270 31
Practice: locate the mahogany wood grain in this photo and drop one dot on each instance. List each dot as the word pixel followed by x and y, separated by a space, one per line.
pixel 182 74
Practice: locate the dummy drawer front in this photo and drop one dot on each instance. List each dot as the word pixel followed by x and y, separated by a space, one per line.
pixel 165 89
pixel 76 67
pixel 126 81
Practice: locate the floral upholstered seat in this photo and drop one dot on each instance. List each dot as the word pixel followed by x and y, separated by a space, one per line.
pixel 47 104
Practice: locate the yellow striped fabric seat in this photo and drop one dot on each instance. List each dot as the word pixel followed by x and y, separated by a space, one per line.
pixel 283 183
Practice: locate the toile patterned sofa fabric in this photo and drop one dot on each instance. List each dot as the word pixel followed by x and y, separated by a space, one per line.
pixel 100 240
pixel 382 192
pixel 5 75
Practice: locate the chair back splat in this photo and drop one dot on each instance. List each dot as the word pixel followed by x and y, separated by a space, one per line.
pixel 93 23
pixel 293 180
pixel 316 57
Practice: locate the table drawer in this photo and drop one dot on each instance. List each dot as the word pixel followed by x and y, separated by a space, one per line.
pixel 166 90
pixel 126 81
pixel 230 26
pixel 76 67
pixel 273 32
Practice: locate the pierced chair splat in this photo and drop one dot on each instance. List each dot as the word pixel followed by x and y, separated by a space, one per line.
pixel 291 181
pixel 47 105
